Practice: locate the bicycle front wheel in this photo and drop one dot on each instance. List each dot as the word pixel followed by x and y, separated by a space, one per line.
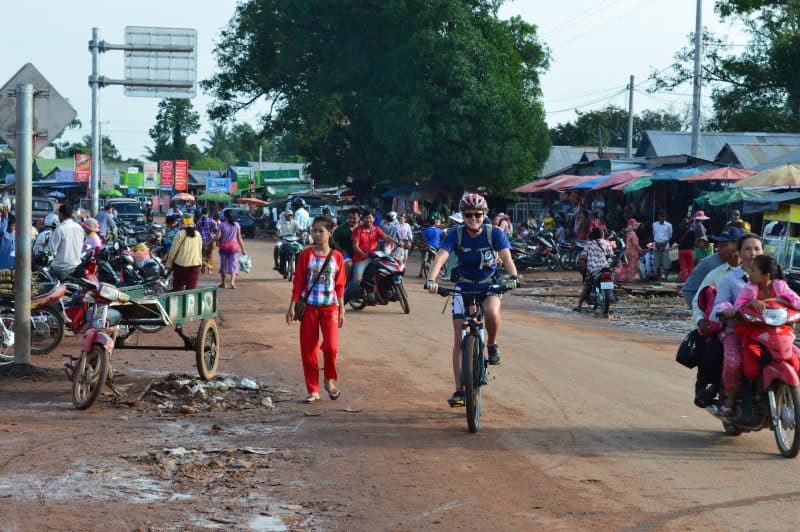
pixel 471 370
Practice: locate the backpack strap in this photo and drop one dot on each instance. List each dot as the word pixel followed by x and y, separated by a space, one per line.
pixel 488 228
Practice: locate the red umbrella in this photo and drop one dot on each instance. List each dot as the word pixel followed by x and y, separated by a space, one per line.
pixel 251 201
pixel 726 173
pixel 625 176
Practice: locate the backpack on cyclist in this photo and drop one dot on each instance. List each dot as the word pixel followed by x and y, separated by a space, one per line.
pixel 488 228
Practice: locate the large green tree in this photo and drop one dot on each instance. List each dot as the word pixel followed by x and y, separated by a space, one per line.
pixel 175 122
pixel 396 90
pixel 609 126
pixel 66 149
pixel 756 87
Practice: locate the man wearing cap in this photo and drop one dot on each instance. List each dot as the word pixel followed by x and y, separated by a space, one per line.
pixel 737 221
pixel 662 236
pixel 726 246
pixel 709 370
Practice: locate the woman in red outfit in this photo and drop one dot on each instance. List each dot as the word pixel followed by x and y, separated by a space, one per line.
pixel 319 280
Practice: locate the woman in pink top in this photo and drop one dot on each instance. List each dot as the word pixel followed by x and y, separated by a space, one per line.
pixel 766 285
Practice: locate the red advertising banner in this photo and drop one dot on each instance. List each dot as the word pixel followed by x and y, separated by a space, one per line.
pixel 181 175
pixel 83 167
pixel 167 174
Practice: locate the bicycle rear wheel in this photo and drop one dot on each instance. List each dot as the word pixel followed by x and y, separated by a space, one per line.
pixel 471 376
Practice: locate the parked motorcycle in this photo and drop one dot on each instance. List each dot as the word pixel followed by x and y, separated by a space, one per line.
pixel 47 323
pixel 93 367
pixel 540 252
pixel 771 400
pixel 382 282
pixel 601 291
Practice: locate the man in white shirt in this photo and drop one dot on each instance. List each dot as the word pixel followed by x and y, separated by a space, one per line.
pixel 662 235
pixel 405 239
pixel 288 227
pixel 65 244
pixel 301 214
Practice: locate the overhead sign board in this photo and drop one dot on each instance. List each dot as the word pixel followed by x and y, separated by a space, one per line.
pixel 51 112
pixel 149 66
pixel 167 179
pixel 181 175
pixel 150 169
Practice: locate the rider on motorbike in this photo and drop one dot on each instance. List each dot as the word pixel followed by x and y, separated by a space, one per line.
pixel 365 239
pixel 288 227
pixel 477 246
pixel 433 239
pixel 597 252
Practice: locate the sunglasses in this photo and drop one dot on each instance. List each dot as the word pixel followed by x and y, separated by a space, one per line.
pixel 473 215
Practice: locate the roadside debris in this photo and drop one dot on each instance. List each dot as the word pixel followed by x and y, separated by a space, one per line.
pixel 184 395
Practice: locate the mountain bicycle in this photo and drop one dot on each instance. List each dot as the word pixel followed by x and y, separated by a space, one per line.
pixel 473 354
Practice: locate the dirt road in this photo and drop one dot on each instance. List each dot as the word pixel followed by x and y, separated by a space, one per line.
pixel 583 427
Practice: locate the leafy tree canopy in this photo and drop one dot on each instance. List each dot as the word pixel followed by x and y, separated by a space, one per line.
pixel 398 90
pixel 609 127
pixel 755 88
pixel 175 122
pixel 66 149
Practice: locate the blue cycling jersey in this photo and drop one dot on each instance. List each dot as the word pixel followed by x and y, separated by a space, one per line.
pixel 476 260
pixel 432 236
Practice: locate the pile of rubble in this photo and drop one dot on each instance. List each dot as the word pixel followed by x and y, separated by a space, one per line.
pixel 180 394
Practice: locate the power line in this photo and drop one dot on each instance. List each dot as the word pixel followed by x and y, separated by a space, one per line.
pixel 602 25
pixel 584 14
pixel 587 104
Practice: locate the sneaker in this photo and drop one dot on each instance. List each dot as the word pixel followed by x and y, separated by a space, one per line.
pixel 457 399
pixel 494 355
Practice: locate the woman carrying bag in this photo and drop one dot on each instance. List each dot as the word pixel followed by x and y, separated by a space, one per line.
pixel 318 303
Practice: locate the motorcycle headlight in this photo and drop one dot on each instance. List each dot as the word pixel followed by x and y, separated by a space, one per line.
pixel 775 316
pixel 109 292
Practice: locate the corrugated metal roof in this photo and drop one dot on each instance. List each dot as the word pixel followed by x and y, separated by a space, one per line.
pixel 660 143
pixel 750 155
pixel 562 157
pixel 791 157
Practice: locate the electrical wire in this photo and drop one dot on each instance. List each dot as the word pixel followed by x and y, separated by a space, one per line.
pixel 587 104
pixel 602 25
pixel 585 13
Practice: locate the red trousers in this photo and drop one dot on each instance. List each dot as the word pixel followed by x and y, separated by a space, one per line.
pixel 326 320
pixel 686 262
pixel 184 278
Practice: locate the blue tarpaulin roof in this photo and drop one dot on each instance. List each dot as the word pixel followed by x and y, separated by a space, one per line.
pixel 673 174
pixel 590 183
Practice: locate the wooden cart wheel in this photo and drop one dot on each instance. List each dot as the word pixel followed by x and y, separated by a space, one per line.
pixel 207 349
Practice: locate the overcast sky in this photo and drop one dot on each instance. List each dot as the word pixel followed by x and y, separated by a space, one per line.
pixel 595 44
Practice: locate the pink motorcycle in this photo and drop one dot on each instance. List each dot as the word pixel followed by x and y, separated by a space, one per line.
pixel 771 400
pixel 382 282
pixel 93 367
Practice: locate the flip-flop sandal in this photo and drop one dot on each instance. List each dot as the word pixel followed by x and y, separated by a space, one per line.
pixel 311 399
pixel 334 394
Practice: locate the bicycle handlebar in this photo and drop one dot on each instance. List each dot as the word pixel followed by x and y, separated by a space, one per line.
pixel 495 289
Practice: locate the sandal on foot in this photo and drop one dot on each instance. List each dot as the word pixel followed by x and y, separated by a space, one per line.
pixel 334 394
pixel 311 399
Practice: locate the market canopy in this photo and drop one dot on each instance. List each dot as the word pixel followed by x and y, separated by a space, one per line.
pixel 107 193
pixel 625 176
pixel 726 173
pixel 633 186
pixel 786 175
pixel 568 182
pixel 536 185
pixel 729 195
pixel 183 196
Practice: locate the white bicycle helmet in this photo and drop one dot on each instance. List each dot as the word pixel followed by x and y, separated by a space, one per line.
pixel 51 220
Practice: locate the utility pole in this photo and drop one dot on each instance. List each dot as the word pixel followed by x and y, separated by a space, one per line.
pixel 22 262
pixel 698 78
pixel 94 180
pixel 629 144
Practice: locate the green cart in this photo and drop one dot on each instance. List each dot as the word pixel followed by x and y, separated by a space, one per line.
pixel 151 312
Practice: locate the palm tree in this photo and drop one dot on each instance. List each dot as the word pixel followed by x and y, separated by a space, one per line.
pixel 217 141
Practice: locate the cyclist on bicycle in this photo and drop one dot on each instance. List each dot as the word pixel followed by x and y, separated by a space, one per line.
pixel 477 246
pixel 432 236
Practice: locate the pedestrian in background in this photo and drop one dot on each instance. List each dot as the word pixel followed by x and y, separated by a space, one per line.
pixel 319 282
pixel 186 256
pixel 702 249
pixel 686 242
pixel 662 237
pixel 230 242
pixel 208 231
pixel 8 244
